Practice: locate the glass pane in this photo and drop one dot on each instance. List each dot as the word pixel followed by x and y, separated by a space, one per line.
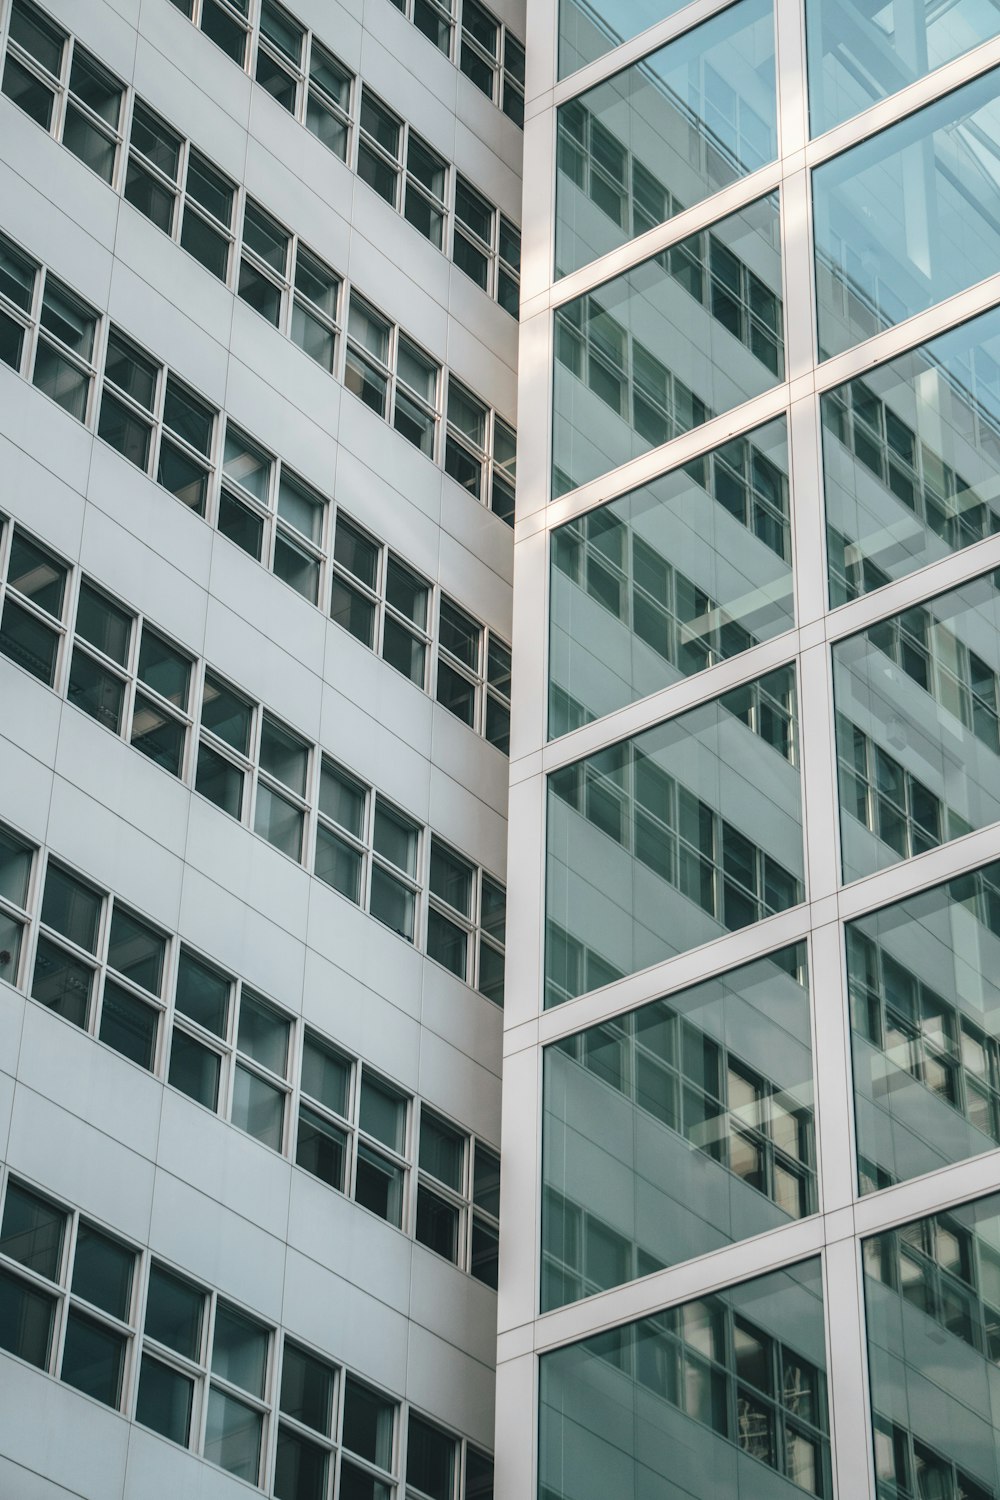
pixel 406 592
pixel 210 189
pixel 70 321
pixel 356 552
pixel 158 734
pixel 430 1459
pixel 97 691
pixel 486 1180
pixel 459 634
pixel 174 1311
pixel 368 329
pixel 266 237
pixel 260 292
pixel 136 950
pixel 258 1108
pixel 263 1034
pixel 31 1231
pixel 301 1467
pixel 233 1435
pixel 660 584
pixel 189 416
pixel 368 1424
pixel 665 841
pixel 899 220
pixel 306 1388
pixel 205 243
pixel 61 982
pixel 321 1148
pixel 588 31
pixel 665 133
pixel 239 1350
pixel 99 90
pixel 631 1110
pixel 103 624
pixel 40 37
pixel 226 714
pixel 155 139
pixel 378 1185
pixel 27 1317
pixel 383 1114
pixel 29 643
pixel 283 755
pixel 28 92
pixel 163 668
pixel 61 379
pixel 661 349
pixel 326 1075
pixel 451 878
pixel 395 838
pixel 447 944
pixel 202 993
pixel 917 728
pixel 195 1070
pixel 220 781
pixel 15 868
pixel 279 822
pixel 128 1025
pixel 37 575
pixel 339 864
pixel 96 149
pixel 924 1095
pixel 909 456
pixel 392 902
pixel 380 123
pixel 301 508
pixel 11 933
pixel 437 1224
pixel 342 800
pixel 93 1358
pixel 442 1151
pixel 71 907
pixel 130 370
pixel 359 1484
pixel 165 1400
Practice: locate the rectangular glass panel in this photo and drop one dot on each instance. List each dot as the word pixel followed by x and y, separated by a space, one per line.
pixel 368 1424
pixel 654 1407
pixel 258 1108
pixel 430 1459
pixel 263 1034
pixel 102 1271
pixel 680 338
pixel 27 1319
pixel 233 1435
pixel 31 1231
pixel 901 222
pixel 588 31
pixel 326 1076
pixel 442 1151
pixel 665 841
pixel 37 575
pixel 383 1114
pixel 195 1069
pixel 924 987
pixel 15 868
pixel 129 1025
pixel 174 1312
pixel 643 1137
pixel 93 1358
pixel 165 1401
pixel 918 735
pixel 239 1350
pixel 930 1299
pixel 71 907
pixel 661 583
pixel 136 950
pixel 665 133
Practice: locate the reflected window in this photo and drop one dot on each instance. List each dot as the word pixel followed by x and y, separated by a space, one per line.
pixel 589 31
pixel 667 840
pixel 663 348
pixel 676 1128
pixel 671 578
pixel 901 221
pixel 917 698
pixel 665 133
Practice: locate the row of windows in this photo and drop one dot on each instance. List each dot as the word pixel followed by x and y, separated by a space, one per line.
pixel 142 410
pixel 130 1331
pixel 887 799
pixel 55 80
pixel 290 62
pixel 105 968
pixel 297 292
pixel 116 666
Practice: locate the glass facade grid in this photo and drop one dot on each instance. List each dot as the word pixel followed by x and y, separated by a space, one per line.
pixel 892 551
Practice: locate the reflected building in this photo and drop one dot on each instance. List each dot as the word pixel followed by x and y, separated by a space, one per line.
pixel 750 1238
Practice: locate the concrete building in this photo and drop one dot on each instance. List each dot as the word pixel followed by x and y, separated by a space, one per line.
pixel 750 1241
pixel 258 300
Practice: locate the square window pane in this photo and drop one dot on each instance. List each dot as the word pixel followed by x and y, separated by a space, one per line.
pixel 395 838
pixel 447 943
pixel 71 907
pixel 93 146
pixel 93 1358
pixel 392 902
pixel 339 864
pixel 164 669
pixel 60 378
pixel 104 624
pixel 158 735
pixel 37 575
pixel 451 878
pixel 283 755
pixel 352 610
pixel 404 651
pixel 326 1075
pixel 186 480
pixel 442 1151
pixel 430 1456
pixel 207 244
pixel 15 868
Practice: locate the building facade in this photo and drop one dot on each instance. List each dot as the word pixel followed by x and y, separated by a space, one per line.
pixel 258 332
pixel 750 1206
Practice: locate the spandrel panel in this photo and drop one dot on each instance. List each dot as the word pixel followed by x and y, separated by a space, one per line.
pixel 924 983
pixel 932 1292
pixel 908 218
pixel 917 699
pixel 677 1128
pixel 911 459
pixel 670 578
pixel 680 338
pixel 670 839
pixel 588 31
pixel 666 133
pixel 859 53
pixel 723 1398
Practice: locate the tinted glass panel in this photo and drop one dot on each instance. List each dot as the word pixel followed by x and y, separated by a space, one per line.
pixel 678 1127
pixel 665 133
pixel 665 841
pixel 32 1231
pixel 588 31
pixel 892 241
pixel 680 338
pixel 93 1358
pixel 71 907
pixel 174 1312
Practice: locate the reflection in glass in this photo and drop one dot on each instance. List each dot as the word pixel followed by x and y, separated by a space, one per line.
pixel 670 578
pixel 668 840
pixel 932 1297
pixel 688 1403
pixel 859 53
pixel 906 218
pixel 924 981
pixel 676 1128
pixel 918 727
pixel 665 133
pixel 666 346
pixel 911 453
pixel 588 31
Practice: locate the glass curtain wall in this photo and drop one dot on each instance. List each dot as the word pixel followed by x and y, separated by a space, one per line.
pixel 752 1089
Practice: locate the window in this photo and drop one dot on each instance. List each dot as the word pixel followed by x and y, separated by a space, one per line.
pixel 458 1198
pixel 471 949
pixel 380 146
pixel 226 22
pixel 314 308
pixel 473 674
pixel 224 750
pixel 380 600
pixel 392 376
pixel 34 606
pixel 394 892
pixel 280 53
pixel 63 88
pixel 369 1428
pixel 207 221
pixel 270 513
pixel 480 451
pixel 18 277
pixel 67 1293
pixel 328 104
pixel 431 1461
pixel 263 281
pixel 282 785
pixel 100 966
pixel 199 216
pixel 480 50
pixel 425 189
pixel 306 1426
pixel 16 860
pixel 381 1165
pixel 64 352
